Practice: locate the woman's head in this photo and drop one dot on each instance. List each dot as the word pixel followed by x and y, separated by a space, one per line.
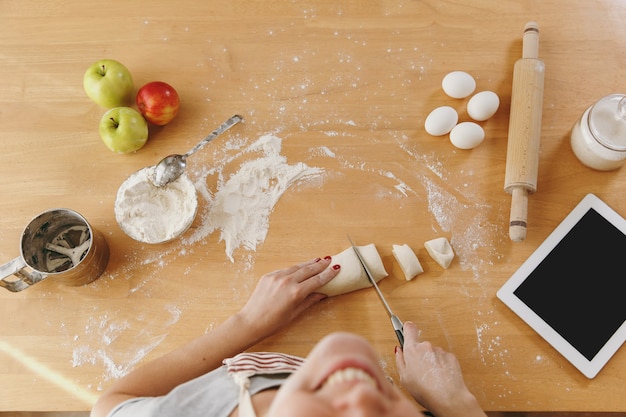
pixel 341 376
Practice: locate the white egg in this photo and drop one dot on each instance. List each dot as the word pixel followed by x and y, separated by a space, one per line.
pixel 441 120
pixel 458 84
pixel 483 105
pixel 467 135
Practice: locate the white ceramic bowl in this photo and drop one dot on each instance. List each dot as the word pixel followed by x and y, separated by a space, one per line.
pixel 152 214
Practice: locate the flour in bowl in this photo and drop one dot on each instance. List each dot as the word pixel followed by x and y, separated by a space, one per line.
pixel 152 214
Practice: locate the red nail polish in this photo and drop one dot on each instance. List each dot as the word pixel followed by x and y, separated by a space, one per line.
pixel 395 350
pixel 318 259
pixel 336 267
pixel 328 258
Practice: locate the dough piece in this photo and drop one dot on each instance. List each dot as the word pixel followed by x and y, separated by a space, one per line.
pixel 351 276
pixel 407 259
pixel 440 250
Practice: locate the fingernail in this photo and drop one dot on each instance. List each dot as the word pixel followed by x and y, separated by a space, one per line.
pixel 336 267
pixel 328 258
pixel 318 259
pixel 395 350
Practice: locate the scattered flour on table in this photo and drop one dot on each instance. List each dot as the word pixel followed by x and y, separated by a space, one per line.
pixel 457 211
pixel 322 151
pixel 241 206
pixel 117 349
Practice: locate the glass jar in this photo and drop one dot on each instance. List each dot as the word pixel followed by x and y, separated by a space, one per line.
pixel 598 138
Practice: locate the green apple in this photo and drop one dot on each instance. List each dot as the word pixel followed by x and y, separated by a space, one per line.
pixel 109 84
pixel 123 129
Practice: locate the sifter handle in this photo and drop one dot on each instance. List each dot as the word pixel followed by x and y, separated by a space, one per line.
pixel 18 267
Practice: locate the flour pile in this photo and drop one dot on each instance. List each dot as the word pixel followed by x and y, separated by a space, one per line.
pixel 241 206
pixel 153 214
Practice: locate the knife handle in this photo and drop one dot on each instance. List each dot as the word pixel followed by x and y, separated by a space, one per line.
pixel 400 336
pixel 398 328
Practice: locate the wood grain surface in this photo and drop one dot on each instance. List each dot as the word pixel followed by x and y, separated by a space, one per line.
pixel 346 86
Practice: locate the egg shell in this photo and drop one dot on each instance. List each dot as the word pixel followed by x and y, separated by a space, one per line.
pixel 467 135
pixel 483 105
pixel 441 120
pixel 458 84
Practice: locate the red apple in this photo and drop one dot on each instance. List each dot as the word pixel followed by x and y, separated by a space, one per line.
pixel 158 102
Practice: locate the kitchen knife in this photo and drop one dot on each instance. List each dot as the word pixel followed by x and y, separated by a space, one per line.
pixel 395 321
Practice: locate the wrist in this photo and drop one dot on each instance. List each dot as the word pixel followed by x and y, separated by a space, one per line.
pixel 463 406
pixel 248 328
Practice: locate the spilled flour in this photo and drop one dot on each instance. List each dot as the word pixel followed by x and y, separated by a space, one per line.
pixel 241 206
pixel 238 206
pixel 240 190
pixel 241 183
pixel 121 343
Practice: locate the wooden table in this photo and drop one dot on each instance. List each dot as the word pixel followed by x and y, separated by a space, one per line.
pixel 346 86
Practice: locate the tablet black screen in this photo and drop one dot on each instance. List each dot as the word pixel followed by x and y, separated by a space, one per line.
pixel 578 288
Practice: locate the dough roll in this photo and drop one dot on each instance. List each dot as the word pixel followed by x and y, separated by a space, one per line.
pixel 352 276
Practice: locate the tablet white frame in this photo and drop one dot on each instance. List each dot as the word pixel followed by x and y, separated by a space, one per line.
pixel 506 293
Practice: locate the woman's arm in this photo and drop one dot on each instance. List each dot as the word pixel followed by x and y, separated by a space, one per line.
pixel 279 297
pixel 433 377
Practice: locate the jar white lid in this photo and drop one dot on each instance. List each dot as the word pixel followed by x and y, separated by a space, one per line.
pixel 607 121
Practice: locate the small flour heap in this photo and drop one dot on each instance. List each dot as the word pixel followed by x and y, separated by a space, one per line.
pixel 241 206
pixel 152 214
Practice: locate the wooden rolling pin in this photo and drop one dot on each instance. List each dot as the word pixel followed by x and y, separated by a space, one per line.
pixel 522 155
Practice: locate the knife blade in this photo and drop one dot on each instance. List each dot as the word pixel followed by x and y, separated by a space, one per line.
pixel 395 321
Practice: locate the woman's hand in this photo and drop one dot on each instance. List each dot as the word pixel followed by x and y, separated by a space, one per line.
pixel 282 295
pixel 433 377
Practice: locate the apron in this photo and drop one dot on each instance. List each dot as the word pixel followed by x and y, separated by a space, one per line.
pixel 246 365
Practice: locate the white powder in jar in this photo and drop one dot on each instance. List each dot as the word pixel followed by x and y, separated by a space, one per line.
pixel 152 214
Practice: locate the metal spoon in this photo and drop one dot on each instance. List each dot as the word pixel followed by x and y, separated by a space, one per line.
pixel 171 167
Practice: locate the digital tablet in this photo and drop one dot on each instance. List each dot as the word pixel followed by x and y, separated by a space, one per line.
pixel 570 290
